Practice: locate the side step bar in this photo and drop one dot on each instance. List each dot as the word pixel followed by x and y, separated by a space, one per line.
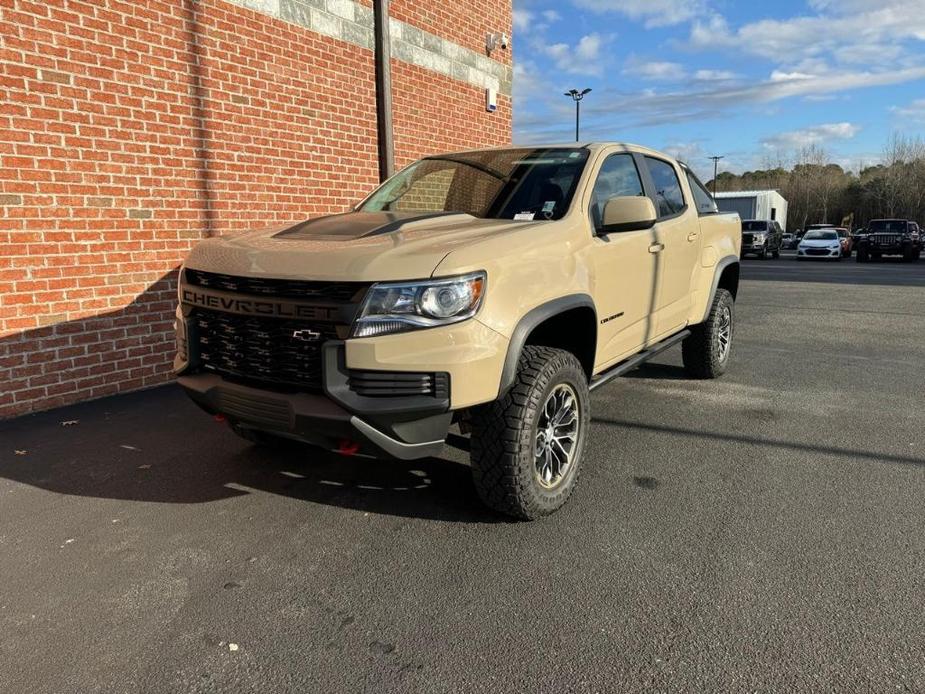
pixel 637 360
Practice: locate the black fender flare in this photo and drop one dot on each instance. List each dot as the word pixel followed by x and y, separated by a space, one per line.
pixel 529 322
pixel 718 270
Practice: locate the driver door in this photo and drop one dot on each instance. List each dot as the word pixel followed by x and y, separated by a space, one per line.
pixel 623 264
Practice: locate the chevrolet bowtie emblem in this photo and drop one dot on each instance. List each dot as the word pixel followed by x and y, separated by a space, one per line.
pixel 306 335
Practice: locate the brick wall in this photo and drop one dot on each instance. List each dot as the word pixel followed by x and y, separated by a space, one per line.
pixel 130 130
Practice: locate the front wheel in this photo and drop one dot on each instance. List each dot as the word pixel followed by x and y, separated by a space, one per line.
pixel 527 445
pixel 706 350
pixel 862 256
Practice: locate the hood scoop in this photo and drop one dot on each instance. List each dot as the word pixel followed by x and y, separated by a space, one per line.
pixel 356 225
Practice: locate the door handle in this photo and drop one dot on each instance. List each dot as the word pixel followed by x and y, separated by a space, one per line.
pixel 656 248
pixel 692 236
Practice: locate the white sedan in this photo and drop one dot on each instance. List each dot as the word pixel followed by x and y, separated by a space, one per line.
pixel 820 243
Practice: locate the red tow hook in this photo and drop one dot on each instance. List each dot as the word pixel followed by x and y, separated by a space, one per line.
pixel 348 447
pixel 219 418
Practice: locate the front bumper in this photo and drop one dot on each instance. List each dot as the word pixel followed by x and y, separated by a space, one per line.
pixel 819 252
pixel 406 434
pixel 754 248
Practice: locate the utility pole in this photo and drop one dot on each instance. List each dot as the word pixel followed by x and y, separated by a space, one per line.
pixel 577 96
pixel 715 171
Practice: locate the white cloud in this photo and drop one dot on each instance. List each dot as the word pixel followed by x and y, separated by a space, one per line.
pixel 913 112
pixel 653 13
pixel 584 58
pixel 707 100
pixel 522 19
pixel 850 31
pixel 781 76
pixel 662 71
pixel 817 134
pixel 715 75
pixel 528 21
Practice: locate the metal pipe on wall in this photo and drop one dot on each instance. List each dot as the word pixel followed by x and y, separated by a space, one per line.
pixel 383 53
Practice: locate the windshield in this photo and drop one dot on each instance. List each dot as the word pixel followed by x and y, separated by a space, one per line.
pixel 820 236
pixel 520 184
pixel 754 226
pixel 896 226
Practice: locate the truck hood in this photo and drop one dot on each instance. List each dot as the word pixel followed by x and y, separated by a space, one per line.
pixel 359 246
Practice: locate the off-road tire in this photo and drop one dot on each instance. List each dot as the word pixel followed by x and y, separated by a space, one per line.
pixel 909 254
pixel 701 350
pixel 504 436
pixel 863 256
pixel 763 253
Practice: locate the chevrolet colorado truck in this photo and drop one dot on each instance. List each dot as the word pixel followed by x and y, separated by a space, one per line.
pixel 488 289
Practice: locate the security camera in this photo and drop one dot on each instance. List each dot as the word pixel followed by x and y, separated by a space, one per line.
pixel 493 41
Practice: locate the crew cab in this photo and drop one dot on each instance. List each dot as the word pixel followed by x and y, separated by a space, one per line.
pixel 762 237
pixel 492 289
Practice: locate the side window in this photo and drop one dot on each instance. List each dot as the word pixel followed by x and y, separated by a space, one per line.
pixel 618 176
pixel 669 200
pixel 702 198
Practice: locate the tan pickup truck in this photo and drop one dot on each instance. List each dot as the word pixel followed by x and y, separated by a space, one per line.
pixel 490 289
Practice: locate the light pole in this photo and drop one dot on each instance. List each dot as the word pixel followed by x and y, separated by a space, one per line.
pixel 577 96
pixel 715 170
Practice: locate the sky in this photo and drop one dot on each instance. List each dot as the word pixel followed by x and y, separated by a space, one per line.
pixel 751 81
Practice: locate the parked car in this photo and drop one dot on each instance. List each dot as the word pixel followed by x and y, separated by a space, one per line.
pixel 371 332
pixel 761 238
pixel 890 237
pixel 847 242
pixel 789 241
pixel 820 243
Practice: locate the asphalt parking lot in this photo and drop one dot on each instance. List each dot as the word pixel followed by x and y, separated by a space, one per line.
pixel 763 532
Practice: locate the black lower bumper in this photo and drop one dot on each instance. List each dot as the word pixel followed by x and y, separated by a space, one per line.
pixel 318 420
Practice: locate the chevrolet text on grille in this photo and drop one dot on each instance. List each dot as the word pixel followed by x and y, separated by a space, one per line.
pixel 258 307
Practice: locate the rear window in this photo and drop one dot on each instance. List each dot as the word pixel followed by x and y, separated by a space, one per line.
pixel 754 226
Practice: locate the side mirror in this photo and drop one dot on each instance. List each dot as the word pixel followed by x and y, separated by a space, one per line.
pixel 627 213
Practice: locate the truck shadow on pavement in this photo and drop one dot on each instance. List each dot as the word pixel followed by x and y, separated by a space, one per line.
pixel 156 446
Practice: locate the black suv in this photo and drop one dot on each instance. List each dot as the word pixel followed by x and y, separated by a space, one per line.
pixel 762 238
pixel 889 237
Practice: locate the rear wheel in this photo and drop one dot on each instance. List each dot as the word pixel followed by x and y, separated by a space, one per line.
pixel 527 445
pixel 706 350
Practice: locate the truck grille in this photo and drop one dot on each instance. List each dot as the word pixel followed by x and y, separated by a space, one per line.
pixel 886 239
pixel 261 350
pixel 340 292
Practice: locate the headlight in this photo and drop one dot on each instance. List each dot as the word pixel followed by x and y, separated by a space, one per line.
pixel 759 238
pixel 394 307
